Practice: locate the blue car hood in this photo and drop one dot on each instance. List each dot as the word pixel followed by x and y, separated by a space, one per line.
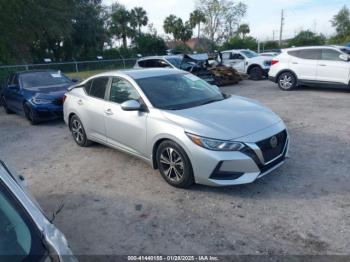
pixel 49 91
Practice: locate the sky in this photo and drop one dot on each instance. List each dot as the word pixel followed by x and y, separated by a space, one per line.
pixel 263 17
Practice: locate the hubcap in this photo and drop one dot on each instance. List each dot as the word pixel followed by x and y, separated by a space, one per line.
pixel 77 131
pixel 286 81
pixel 172 164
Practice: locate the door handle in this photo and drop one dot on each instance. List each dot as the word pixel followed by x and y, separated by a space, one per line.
pixel 109 112
pixel 80 102
pixel 295 63
pixel 322 65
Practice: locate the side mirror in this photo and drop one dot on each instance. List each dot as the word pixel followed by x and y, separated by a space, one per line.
pixel 344 57
pixel 13 87
pixel 131 105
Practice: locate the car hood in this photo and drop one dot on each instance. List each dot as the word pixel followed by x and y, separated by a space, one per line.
pixel 229 119
pixel 49 91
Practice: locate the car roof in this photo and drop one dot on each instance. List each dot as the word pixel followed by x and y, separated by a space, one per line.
pixel 160 57
pixel 236 50
pixel 313 47
pixel 142 73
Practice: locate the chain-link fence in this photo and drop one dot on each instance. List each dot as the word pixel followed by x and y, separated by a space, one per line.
pixel 74 68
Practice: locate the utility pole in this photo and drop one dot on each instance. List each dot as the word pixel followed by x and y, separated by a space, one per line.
pixel 281 29
pixel 273 34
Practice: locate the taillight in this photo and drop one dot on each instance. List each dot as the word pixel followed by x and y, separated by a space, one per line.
pixel 64 98
pixel 273 62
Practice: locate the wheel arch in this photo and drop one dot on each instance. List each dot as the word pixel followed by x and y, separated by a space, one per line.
pixel 250 67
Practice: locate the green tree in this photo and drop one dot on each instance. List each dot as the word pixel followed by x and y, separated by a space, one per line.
pixel 150 44
pixel 237 42
pixel 196 18
pixel 89 31
pixel 169 24
pixel 341 22
pixel 307 38
pixel 175 26
pixel 139 18
pixel 121 24
pixel 243 29
pixel 221 16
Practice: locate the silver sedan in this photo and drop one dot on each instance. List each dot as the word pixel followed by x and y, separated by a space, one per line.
pixel 179 124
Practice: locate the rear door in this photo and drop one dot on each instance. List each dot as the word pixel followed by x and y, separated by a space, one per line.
pixel 304 63
pixel 331 68
pixel 125 129
pixel 235 60
pixel 91 107
pixel 14 97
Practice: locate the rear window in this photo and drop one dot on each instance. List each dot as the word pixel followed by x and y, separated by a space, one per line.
pixel 98 87
pixel 311 54
pixel 331 55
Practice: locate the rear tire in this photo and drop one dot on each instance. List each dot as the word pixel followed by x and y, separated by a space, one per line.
pixel 78 132
pixel 174 165
pixel 29 114
pixel 4 104
pixel 287 81
pixel 256 73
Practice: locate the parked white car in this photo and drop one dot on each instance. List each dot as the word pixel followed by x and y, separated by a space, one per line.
pixel 316 65
pixel 247 62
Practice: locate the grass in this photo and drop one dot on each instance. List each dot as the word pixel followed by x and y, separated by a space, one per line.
pixel 85 74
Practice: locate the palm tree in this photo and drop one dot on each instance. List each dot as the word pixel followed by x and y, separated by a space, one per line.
pixel 139 18
pixel 244 30
pixel 121 23
pixel 169 24
pixel 196 18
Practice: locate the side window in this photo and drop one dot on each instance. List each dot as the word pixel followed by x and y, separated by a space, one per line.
pixel 161 63
pixel 237 57
pixel 18 235
pixel 122 90
pixel 142 63
pixel 10 79
pixel 226 56
pixel 98 87
pixel 311 54
pixel 331 55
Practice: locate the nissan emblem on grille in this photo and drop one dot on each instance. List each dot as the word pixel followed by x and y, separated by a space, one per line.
pixel 274 142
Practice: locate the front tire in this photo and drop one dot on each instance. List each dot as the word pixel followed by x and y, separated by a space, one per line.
pixel 78 132
pixel 174 165
pixel 287 81
pixel 29 114
pixel 256 73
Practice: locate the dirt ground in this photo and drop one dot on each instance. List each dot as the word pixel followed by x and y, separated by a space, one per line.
pixel 116 204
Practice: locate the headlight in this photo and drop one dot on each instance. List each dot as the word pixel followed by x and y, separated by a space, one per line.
pixel 40 101
pixel 214 144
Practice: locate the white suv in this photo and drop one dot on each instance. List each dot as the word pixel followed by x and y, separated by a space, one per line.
pixel 314 65
pixel 247 62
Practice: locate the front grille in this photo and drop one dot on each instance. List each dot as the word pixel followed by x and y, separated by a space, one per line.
pixel 269 152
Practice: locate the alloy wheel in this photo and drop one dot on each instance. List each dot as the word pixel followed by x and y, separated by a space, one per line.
pixel 77 131
pixel 172 164
pixel 286 81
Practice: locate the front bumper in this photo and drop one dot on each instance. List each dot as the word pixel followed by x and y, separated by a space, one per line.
pixel 215 168
pixel 47 112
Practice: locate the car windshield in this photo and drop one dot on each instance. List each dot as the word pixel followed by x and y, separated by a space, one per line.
pixel 249 53
pixel 18 235
pixel 43 79
pixel 179 91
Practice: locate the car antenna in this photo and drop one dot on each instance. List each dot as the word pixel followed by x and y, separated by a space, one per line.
pixel 55 213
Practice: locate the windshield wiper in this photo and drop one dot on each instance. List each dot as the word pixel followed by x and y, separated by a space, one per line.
pixel 211 101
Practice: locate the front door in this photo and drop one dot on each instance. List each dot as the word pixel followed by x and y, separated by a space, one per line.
pixel 125 129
